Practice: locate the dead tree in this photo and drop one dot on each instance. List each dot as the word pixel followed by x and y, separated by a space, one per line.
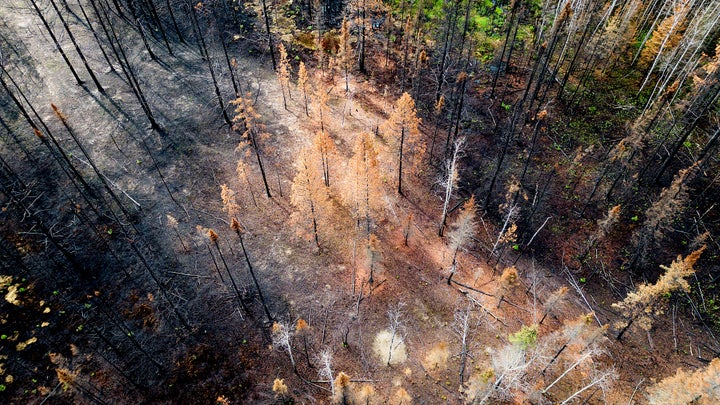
pixel 450 181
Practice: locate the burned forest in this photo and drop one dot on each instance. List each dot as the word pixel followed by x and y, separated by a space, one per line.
pixel 359 202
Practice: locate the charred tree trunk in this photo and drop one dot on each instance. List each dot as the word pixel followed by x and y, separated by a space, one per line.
pixel 57 44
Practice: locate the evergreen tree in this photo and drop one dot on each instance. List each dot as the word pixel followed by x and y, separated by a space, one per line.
pixel 403 126
pixel 647 300
pixel 700 387
pixel 249 120
pixel 309 194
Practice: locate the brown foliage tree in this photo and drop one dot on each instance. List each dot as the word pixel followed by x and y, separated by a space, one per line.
pixel 403 128
pixel 302 85
pixel 283 73
pixel 248 120
pixel 363 189
pixel 309 194
pixel 700 387
pixel 640 305
pixel 327 152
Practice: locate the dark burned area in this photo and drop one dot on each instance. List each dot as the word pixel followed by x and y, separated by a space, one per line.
pixel 116 291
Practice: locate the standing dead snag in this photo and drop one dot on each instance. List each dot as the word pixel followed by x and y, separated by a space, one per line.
pixel 461 234
pixel 450 181
pixel 397 329
pixel 308 193
pixel 403 124
pixel 214 238
pixel 266 15
pixel 437 114
pixel 407 229
pixel 281 335
pixel 389 344
pixel 461 326
pixel 641 304
pixel 247 119
pixel 235 226
pixel 57 44
pixel 325 372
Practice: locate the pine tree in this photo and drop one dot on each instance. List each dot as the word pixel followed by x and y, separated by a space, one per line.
pixel 280 390
pixel 319 102
pixel 364 190
pixel 215 239
pixel 235 226
pixel 508 281
pixel 700 387
pixel 302 329
pixel 552 302
pixel 647 300
pixel 658 217
pixel 283 73
pixel 325 149
pixel 511 209
pixel 666 36
pixel 242 173
pixel 604 226
pixel 403 126
pixel 309 194
pixel 248 119
pixel 344 53
pixel 229 203
pixel 302 85
pixel 462 232
pixel 341 389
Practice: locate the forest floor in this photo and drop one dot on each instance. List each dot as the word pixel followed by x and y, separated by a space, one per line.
pixel 230 352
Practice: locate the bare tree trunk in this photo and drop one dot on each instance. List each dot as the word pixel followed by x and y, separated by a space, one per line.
pixel 252 274
pixel 57 44
pixel 203 51
pixel 269 34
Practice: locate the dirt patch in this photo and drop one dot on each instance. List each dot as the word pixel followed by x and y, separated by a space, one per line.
pixel 389 349
pixel 437 358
